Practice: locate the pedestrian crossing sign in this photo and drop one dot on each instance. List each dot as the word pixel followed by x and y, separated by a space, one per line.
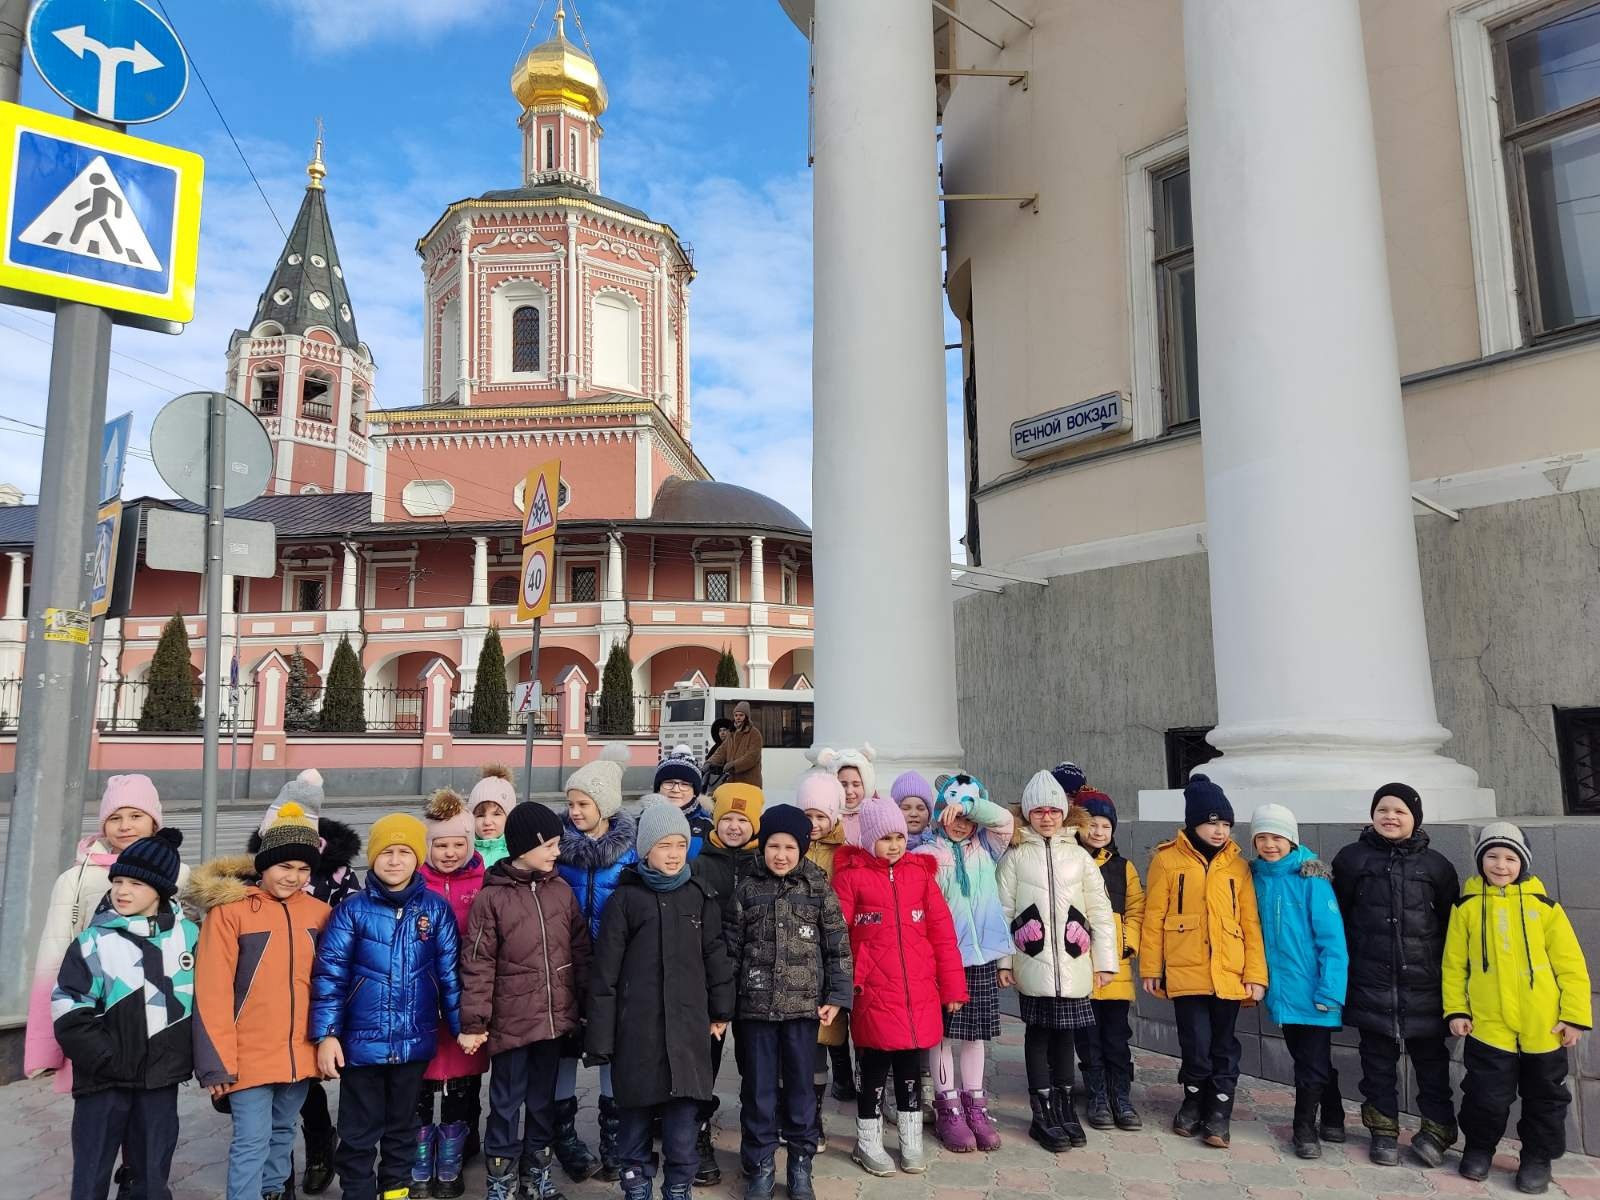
pixel 97 216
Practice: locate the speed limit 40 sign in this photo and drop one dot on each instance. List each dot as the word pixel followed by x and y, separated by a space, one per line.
pixel 538 576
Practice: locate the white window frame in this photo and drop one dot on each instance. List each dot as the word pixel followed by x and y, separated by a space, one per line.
pixel 1144 300
pixel 432 498
pixel 613 297
pixel 564 564
pixel 292 579
pixel 717 560
pixel 450 342
pixel 508 297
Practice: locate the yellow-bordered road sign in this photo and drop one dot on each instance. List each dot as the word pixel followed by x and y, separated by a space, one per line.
pixel 541 494
pixel 538 579
pixel 107 532
pixel 98 217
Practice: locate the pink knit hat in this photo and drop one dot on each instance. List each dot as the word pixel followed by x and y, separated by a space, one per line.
pixel 130 791
pixel 879 818
pixel 447 816
pixel 494 788
pixel 821 790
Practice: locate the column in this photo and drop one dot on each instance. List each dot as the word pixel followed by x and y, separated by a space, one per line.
pixel 758 571
pixel 885 656
pixel 480 571
pixel 1324 688
pixel 14 580
pixel 467 301
pixel 347 579
pixel 614 568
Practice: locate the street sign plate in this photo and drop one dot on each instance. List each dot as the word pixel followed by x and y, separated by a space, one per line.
pixel 1103 416
pixel 538 574
pixel 114 456
pixel 525 699
pixel 106 533
pixel 176 541
pixel 96 216
pixel 180 444
pixel 540 492
pixel 113 59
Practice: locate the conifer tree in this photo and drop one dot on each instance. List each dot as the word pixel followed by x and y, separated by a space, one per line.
pixel 169 705
pixel 343 690
pixel 299 712
pixel 616 694
pixel 491 709
pixel 727 670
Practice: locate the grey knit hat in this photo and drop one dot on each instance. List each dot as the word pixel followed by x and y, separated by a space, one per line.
pixel 1275 818
pixel 1506 836
pixel 657 820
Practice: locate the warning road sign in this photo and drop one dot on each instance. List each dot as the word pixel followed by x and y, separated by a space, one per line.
pixel 106 534
pixel 538 573
pixel 97 216
pixel 540 490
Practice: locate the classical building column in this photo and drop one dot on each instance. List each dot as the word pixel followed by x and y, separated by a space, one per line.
pixel 1324 687
pixel 347 579
pixel 14 581
pixel 885 656
pixel 758 571
pixel 614 569
pixel 480 572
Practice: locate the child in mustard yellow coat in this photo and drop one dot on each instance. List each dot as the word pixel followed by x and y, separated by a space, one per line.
pixel 1201 945
pixel 1517 988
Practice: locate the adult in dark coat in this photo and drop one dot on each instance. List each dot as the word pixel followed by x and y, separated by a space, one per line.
pixel 1395 893
pixel 738 757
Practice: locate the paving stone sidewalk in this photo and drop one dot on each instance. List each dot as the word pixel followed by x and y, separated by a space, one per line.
pixel 35 1158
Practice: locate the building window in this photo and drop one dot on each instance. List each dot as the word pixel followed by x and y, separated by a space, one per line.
pixel 1548 83
pixel 1578 740
pixel 1174 266
pixel 582 585
pixel 1187 749
pixel 449 349
pixel 615 330
pixel 316 403
pixel 719 586
pixel 525 340
pixel 789 586
pixel 503 590
pixel 572 143
pixel 428 497
pixel 266 387
pixel 358 407
pixel 310 595
pixel 549 147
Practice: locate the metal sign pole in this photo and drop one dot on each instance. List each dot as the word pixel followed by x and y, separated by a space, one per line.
pixel 533 715
pixel 216 468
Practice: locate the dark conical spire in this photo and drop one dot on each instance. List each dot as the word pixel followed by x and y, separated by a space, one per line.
pixel 307 286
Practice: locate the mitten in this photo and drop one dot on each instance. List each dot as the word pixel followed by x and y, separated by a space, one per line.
pixel 1078 936
pixel 1030 933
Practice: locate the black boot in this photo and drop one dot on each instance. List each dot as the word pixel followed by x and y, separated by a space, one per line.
pixel 1331 1128
pixel 1067 1115
pixel 1097 1110
pixel 537 1180
pixel 1431 1141
pixel 1045 1129
pixel 575 1158
pixel 822 1133
pixel 707 1173
pixel 1122 1109
pixel 610 1125
pixel 1385 1131
pixel 1475 1163
pixel 1186 1121
pixel 123 1178
pixel 798 1178
pixel 761 1181
pixel 1533 1176
pixel 1219 1117
pixel 320 1143
pixel 844 1076
pixel 1306 1143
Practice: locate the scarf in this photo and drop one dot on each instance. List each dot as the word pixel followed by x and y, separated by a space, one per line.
pixel 1206 849
pixel 959 850
pixel 658 881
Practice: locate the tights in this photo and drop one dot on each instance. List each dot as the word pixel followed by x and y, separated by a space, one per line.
pixel 1048 1054
pixel 876 1066
pixel 567 1079
pixel 942 1066
pixel 460 1101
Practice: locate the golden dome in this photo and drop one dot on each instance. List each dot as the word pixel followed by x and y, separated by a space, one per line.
pixel 557 72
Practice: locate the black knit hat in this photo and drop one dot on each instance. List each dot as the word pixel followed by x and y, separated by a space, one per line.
pixel 1402 792
pixel 1204 801
pixel 292 837
pixel 681 769
pixel 785 818
pixel 530 824
pixel 152 860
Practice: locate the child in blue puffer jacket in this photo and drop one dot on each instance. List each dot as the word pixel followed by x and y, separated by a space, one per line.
pixel 385 979
pixel 1307 966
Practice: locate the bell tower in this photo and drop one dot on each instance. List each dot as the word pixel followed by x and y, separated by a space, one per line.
pixel 562 97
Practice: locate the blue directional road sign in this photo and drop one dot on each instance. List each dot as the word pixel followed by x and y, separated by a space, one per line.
pixel 113 59
pixel 114 456
pixel 106 532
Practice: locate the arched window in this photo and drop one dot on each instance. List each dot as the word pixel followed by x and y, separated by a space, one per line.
pixel 358 407
pixel 616 341
pixel 525 339
pixel 265 390
pixel 503 590
pixel 449 349
pixel 549 147
pixel 572 160
pixel 316 397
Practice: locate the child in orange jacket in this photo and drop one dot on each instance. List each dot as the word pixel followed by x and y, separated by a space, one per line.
pixel 1201 946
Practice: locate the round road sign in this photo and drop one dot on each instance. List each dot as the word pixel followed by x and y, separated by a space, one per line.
pixel 179 443
pixel 535 578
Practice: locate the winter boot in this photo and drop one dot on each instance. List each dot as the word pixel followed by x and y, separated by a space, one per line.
pixel 677 1191
pixel 1067 1115
pixel 123 1178
pixel 399 1192
pixel 926 1081
pixel 448 1161
pixel 610 1126
pixel 1045 1129
pixel 1475 1163
pixel 1219 1118
pixel 635 1185
pixel 1098 1109
pixel 984 1133
pixel 950 1126
pixel 1385 1131
pixel 869 1154
pixel 844 1076
pixel 538 1182
pixel 1331 1128
pixel 502 1179
pixel 1127 1116
pixel 422 1163
pixel 797 1177
pixel 822 1134
pixel 575 1158
pixel 1186 1121
pixel 909 1126
pixel 319 1160
pixel 707 1174
pixel 1533 1176
pixel 1431 1141
pixel 1304 1136
pixel 759 1184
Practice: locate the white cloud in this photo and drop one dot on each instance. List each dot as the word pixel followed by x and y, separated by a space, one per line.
pixel 328 25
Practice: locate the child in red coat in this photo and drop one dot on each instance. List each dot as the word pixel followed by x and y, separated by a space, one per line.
pixel 454 870
pixel 907 967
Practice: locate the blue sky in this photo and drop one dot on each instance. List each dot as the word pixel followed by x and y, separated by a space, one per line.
pixel 706 130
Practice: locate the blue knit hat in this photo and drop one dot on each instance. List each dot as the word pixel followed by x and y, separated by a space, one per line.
pixel 1204 801
pixel 1097 804
pixel 152 860
pixel 678 765
pixel 1070 776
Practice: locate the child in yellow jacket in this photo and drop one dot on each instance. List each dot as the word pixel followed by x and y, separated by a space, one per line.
pixel 1517 988
pixel 1201 946
pixel 1103 1052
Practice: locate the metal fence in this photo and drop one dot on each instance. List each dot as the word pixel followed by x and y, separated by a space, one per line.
pixel 546 722
pixel 646 716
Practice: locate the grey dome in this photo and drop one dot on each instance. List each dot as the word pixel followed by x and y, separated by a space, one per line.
pixel 706 502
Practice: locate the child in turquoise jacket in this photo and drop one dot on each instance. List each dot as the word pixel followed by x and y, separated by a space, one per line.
pixel 1307 967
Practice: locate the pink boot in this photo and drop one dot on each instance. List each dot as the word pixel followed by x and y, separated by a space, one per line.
pixel 950 1125
pixel 983 1130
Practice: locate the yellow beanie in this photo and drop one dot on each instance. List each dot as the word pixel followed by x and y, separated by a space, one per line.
pixel 742 798
pixel 398 829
